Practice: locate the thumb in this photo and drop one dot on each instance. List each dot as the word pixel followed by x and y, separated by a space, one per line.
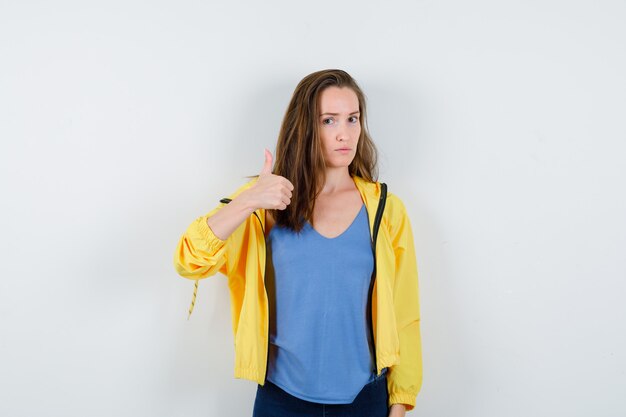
pixel 267 166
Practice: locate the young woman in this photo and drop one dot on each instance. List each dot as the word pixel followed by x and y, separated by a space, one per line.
pixel 296 245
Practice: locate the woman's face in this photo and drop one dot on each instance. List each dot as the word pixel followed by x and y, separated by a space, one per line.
pixel 339 125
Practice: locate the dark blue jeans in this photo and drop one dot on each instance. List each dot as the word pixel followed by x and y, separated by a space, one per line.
pixel 272 401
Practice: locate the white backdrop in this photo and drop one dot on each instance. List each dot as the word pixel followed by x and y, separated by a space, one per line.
pixel 500 124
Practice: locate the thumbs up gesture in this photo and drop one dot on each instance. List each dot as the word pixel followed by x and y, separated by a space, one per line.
pixel 270 191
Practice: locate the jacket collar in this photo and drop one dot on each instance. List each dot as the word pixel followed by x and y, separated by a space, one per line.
pixel 370 193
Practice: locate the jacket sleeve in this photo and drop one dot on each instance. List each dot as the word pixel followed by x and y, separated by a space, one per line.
pixel 405 378
pixel 200 253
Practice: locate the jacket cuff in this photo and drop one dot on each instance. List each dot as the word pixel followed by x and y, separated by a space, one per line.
pixel 214 243
pixel 402 398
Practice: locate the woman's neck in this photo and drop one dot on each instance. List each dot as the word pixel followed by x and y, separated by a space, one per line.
pixel 337 179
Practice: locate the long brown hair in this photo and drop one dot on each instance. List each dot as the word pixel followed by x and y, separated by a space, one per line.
pixel 299 156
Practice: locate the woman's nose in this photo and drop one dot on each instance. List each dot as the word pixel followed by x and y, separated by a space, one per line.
pixel 342 134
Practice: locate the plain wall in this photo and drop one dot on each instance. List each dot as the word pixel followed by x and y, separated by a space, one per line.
pixel 499 124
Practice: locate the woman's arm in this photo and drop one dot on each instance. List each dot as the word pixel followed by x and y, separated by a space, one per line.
pixel 225 221
pixel 201 250
pixel 405 378
pixel 201 253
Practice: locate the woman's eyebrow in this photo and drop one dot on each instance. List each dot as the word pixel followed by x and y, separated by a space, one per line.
pixel 337 114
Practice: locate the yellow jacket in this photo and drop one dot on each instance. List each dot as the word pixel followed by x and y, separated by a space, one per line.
pixel 395 306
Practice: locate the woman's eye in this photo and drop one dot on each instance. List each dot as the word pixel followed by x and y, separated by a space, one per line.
pixel 353 119
pixel 327 121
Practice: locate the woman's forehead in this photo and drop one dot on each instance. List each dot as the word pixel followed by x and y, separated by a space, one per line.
pixel 335 100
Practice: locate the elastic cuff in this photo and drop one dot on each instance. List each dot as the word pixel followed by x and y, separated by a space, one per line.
pixel 399 398
pixel 214 242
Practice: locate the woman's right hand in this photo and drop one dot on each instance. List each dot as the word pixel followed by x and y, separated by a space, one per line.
pixel 270 191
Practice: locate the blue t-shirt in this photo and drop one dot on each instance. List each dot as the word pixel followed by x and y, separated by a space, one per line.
pixel 320 347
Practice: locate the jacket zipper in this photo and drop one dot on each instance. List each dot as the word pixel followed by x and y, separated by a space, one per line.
pixel 379 215
pixel 267 356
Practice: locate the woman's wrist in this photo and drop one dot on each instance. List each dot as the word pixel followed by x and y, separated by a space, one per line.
pixel 244 203
pixel 397 410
